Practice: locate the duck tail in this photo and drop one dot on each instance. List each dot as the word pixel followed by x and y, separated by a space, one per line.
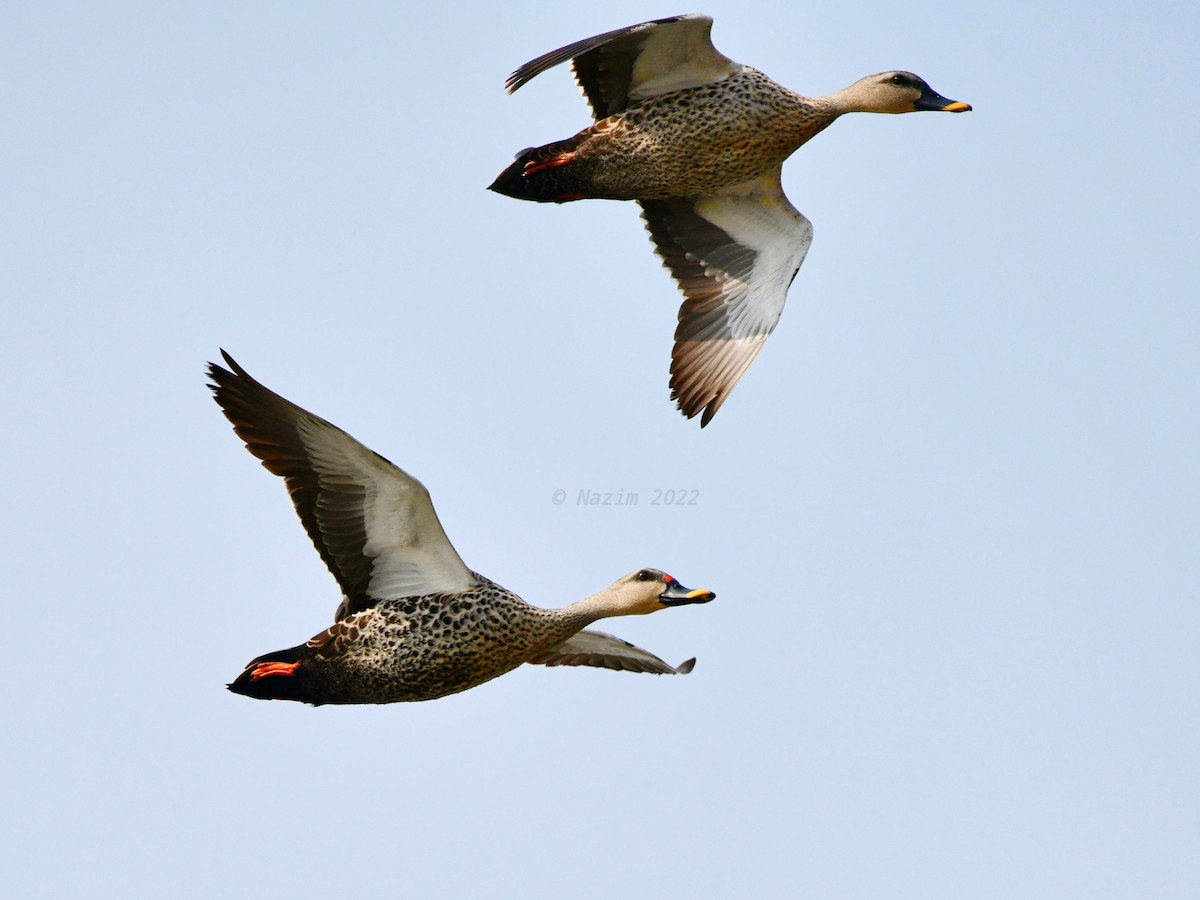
pixel 283 675
pixel 543 174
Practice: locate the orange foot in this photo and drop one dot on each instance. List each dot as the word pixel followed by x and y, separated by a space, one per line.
pixel 262 670
pixel 532 168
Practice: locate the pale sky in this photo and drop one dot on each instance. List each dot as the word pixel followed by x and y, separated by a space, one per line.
pixel 951 514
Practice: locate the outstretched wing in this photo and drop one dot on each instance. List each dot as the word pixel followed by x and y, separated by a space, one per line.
pixel 621 67
pixel 372 523
pixel 734 255
pixel 595 648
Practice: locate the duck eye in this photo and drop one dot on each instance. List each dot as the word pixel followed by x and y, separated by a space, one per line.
pixel 645 575
pixel 900 80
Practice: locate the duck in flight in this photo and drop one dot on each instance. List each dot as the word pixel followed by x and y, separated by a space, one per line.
pixel 699 141
pixel 414 622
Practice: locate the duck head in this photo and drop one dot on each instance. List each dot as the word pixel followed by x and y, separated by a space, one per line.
pixel 649 590
pixel 894 92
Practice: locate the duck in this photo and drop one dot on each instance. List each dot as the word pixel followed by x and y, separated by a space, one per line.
pixel 414 623
pixel 699 141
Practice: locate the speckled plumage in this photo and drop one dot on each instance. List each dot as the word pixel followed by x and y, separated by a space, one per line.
pixel 414 622
pixel 747 124
pixel 422 648
pixel 699 141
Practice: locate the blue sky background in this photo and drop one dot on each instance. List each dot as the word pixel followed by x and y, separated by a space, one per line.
pixel 951 514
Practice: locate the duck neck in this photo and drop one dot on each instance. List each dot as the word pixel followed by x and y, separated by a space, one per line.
pixel 585 612
pixel 618 600
pixel 849 100
pixel 812 116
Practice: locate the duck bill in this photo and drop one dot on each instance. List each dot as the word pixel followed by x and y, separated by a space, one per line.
pixel 678 595
pixel 935 102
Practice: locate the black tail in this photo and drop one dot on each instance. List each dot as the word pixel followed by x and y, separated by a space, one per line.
pixel 278 676
pixel 543 174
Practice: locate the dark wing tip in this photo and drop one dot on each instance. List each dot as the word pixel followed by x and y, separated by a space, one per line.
pixel 686 666
pixel 689 408
pixel 234 368
pixel 223 378
pixel 696 392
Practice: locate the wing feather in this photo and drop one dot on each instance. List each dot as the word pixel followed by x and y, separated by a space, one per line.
pixel 621 67
pixel 373 524
pixel 596 648
pixel 734 255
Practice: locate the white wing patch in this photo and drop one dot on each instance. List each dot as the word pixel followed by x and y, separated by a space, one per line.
pixel 628 64
pixel 409 551
pixel 676 56
pixel 733 254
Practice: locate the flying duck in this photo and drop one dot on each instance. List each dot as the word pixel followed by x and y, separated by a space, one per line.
pixel 699 141
pixel 414 622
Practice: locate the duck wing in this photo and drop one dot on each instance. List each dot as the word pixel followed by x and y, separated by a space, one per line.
pixel 372 523
pixel 733 254
pixel 596 648
pixel 621 67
